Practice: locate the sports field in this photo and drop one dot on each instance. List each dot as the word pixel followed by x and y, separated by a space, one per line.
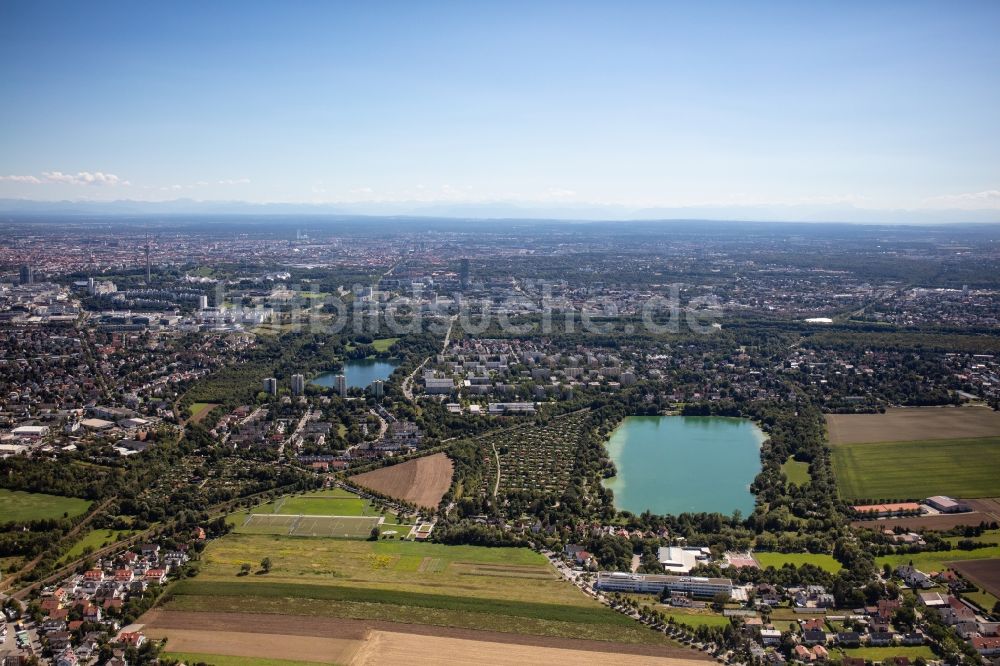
pixel 496 589
pixel 778 560
pixel 345 527
pixel 917 469
pixel 331 502
pixel 18 506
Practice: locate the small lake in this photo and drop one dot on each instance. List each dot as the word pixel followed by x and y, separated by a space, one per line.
pixel 678 464
pixel 359 373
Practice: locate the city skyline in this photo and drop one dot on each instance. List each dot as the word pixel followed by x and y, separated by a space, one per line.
pixel 818 110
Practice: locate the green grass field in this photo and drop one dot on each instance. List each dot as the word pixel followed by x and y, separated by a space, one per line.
pixel 340 527
pixel 496 589
pixel 200 409
pixel 17 506
pixel 699 619
pixel 94 539
pixel 796 472
pixel 332 502
pixel 936 560
pixel 981 598
pixel 913 470
pixel 777 560
pixel 224 660
pixel 880 653
pixel 382 345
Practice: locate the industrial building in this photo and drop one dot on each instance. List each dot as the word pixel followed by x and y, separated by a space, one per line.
pixel 680 560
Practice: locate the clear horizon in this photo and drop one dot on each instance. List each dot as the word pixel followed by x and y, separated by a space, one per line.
pixel 818 109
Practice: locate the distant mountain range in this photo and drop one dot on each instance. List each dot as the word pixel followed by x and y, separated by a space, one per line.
pixel 499 210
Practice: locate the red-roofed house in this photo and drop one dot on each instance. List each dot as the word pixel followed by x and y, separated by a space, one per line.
pixel 987 646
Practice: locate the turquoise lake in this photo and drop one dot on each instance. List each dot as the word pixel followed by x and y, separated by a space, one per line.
pixel 359 373
pixel 678 464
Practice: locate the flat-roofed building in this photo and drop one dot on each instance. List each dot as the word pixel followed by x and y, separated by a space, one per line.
pixel 30 431
pixel 680 560
pixel 945 504
pixel 695 586
pixel 439 385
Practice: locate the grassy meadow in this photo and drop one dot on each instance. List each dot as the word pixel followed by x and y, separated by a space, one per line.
pixel 796 472
pixel 937 560
pixel 778 560
pixel 19 506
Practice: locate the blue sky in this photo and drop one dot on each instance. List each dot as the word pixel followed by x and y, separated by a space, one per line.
pixel 868 104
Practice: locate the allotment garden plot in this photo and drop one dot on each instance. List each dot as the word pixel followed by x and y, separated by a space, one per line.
pixel 533 458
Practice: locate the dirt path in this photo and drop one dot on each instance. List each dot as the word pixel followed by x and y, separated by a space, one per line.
pixel 496 455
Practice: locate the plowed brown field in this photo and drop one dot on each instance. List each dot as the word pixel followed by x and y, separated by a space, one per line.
pixel 984 573
pixel 423 481
pixel 362 642
pixel 906 424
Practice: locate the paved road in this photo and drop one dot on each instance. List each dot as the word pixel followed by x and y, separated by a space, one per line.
pixel 408 382
pixel 382 425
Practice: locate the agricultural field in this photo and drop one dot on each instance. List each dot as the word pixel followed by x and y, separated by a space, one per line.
pixel 295 640
pixel 938 560
pixel 227 660
pixel 796 472
pixel 778 560
pixel 422 481
pixel 918 469
pixel 913 424
pixel 943 521
pixel 533 458
pixel 511 590
pixel 18 506
pixel 984 573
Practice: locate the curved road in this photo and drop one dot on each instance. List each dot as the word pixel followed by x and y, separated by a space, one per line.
pixel 408 382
